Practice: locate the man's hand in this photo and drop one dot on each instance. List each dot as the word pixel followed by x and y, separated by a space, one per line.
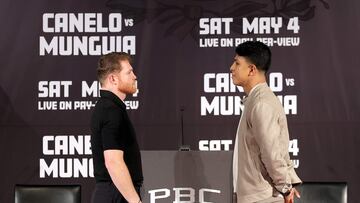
pixel 290 198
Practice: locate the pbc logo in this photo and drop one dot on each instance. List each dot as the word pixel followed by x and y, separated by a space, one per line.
pixel 215 145
pixel 181 195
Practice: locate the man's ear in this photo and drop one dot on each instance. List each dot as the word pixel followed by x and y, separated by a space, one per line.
pixel 112 79
pixel 253 70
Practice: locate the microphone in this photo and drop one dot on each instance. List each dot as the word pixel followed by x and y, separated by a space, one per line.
pixel 183 147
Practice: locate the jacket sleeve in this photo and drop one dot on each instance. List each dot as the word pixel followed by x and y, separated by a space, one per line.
pixel 273 144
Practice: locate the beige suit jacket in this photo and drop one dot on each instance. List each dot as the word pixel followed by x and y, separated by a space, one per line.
pixel 263 163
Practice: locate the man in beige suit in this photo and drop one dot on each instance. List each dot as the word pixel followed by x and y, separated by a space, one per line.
pixel 262 169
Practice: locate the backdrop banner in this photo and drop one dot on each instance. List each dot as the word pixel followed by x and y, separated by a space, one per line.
pixel 182 53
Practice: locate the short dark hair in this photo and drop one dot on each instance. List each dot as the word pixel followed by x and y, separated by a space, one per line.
pixel 257 53
pixel 110 63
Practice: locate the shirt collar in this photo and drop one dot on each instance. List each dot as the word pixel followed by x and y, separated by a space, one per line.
pixel 109 95
pixel 252 90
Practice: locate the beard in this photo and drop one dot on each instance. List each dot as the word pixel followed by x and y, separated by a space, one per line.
pixel 129 88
